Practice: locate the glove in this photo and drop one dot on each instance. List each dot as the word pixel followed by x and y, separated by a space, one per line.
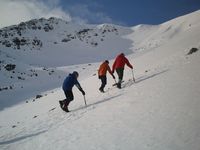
pixel 83 92
pixel 113 76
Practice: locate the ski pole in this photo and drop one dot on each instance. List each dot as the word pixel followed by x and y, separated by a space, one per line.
pixel 84 100
pixel 133 76
pixel 115 81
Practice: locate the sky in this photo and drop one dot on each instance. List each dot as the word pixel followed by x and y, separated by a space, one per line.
pixel 121 12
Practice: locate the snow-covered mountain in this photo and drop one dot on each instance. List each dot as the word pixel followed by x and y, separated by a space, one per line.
pixel 159 111
pixel 49 42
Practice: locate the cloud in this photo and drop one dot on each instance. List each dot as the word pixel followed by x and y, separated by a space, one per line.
pixel 91 12
pixel 16 11
pixel 85 13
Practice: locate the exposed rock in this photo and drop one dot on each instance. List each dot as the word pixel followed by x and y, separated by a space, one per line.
pixel 38 96
pixel 10 67
pixel 20 78
pixel 192 50
pixel 17 42
pixel 66 40
pixel 35 116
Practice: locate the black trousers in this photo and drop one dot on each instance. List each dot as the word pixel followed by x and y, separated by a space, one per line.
pixel 120 73
pixel 69 97
pixel 103 82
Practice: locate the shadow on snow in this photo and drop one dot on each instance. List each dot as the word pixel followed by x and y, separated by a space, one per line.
pixel 21 138
pixel 98 102
pixel 143 78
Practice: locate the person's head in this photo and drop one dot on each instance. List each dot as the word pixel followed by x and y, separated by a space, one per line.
pixel 76 74
pixel 106 61
pixel 122 54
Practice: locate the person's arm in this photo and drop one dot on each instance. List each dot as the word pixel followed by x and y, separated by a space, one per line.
pixel 99 71
pixel 128 63
pixel 109 70
pixel 79 87
pixel 113 67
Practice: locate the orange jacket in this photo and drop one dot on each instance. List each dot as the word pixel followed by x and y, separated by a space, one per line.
pixel 104 67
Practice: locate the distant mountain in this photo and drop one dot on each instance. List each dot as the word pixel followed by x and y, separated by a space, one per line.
pixel 58 36
pixel 32 34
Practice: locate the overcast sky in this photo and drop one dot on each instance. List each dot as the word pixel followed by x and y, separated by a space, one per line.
pixel 122 12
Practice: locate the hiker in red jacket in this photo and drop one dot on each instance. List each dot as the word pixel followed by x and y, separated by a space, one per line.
pixel 118 65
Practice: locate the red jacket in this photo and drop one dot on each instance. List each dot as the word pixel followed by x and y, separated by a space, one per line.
pixel 120 62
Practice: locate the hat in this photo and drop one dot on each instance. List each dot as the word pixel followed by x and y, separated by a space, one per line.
pixel 75 73
pixel 107 61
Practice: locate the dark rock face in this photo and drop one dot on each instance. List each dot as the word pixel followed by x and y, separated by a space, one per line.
pixel 192 50
pixel 10 67
pixel 38 96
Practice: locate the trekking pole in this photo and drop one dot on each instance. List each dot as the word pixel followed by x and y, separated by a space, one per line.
pixel 84 100
pixel 115 81
pixel 133 76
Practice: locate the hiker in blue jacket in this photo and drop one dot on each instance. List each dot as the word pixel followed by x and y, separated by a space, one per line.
pixel 67 86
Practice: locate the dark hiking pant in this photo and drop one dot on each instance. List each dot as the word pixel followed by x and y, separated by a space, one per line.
pixel 120 73
pixel 69 97
pixel 103 82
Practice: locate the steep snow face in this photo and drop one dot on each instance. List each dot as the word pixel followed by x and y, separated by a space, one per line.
pixel 153 36
pixel 159 111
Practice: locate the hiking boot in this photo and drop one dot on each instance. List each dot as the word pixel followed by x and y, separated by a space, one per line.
pixel 65 108
pixel 101 90
pixel 61 104
pixel 119 85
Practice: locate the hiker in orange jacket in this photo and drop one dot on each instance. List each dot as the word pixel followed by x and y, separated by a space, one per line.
pixel 104 67
pixel 118 65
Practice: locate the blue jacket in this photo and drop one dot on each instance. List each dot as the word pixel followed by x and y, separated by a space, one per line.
pixel 69 82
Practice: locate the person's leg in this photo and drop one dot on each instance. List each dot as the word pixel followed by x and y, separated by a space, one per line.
pixel 120 73
pixel 103 83
pixel 69 97
pixel 62 103
pixel 100 77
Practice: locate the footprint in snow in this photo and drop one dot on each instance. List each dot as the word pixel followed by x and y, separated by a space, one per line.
pixel 52 109
pixel 35 116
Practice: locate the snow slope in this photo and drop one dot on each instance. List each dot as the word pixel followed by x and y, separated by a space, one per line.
pixel 160 111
